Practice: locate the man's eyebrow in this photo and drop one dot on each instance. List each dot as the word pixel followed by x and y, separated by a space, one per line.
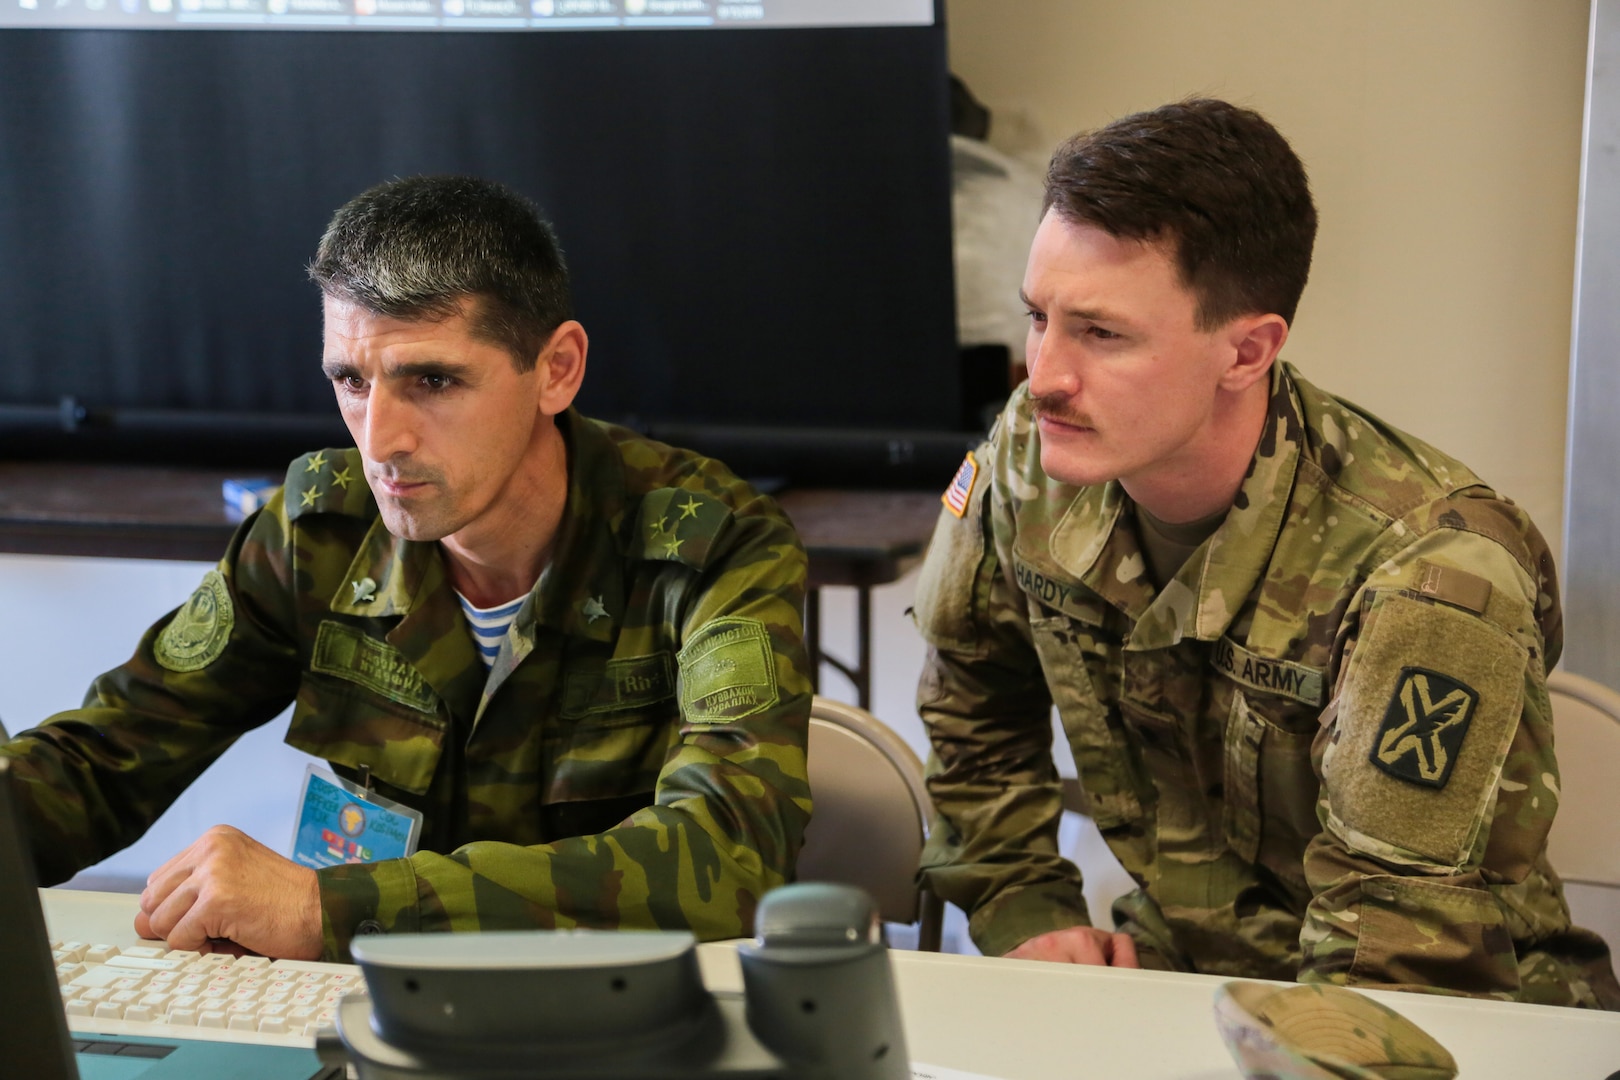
pixel 1088 314
pixel 337 369
pixel 416 369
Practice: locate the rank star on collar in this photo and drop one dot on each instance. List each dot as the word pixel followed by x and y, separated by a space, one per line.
pixel 316 463
pixel 342 478
pixel 592 609
pixel 689 508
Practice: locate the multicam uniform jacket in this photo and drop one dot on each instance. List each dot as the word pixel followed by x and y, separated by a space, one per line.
pixel 636 757
pixel 1323 750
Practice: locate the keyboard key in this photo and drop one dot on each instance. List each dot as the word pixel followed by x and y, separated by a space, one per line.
pixel 211 1018
pixel 96 977
pixel 140 1014
pixel 143 963
pixel 273 1025
pixel 147 951
pixel 181 1017
pixel 100 954
pixel 107 1010
pixel 78 1008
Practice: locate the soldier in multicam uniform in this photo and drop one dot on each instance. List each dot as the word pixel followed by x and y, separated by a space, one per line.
pixel 1299 656
pixel 635 754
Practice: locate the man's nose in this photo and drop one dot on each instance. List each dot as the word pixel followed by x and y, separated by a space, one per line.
pixel 1049 373
pixel 389 427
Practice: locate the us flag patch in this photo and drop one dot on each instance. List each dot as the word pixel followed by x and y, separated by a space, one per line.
pixel 961 490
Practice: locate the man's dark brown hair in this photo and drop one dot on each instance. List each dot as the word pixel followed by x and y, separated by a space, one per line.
pixel 1215 181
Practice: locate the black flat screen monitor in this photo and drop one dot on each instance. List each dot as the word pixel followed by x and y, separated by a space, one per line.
pixel 754 199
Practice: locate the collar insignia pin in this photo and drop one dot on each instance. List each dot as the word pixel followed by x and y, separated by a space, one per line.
pixel 365 590
pixel 592 609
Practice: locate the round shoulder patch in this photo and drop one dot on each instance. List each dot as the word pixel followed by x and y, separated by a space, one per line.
pixel 200 629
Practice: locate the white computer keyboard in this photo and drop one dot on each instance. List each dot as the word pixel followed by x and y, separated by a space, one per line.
pixel 150 990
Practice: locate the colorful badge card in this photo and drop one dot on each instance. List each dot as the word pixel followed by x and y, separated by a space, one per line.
pixel 340 822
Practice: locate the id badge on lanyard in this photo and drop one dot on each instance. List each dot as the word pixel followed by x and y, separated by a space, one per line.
pixel 340 822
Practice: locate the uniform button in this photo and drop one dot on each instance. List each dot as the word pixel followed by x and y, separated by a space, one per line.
pixel 369 926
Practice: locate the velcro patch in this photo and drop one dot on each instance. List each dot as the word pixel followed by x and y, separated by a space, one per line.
pixel 727 672
pixel 1467 591
pixel 199 631
pixel 1282 677
pixel 956 496
pixel 1423 728
pixel 349 654
pixel 1402 783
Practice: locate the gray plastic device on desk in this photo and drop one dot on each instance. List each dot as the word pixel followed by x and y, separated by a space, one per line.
pixel 818 1002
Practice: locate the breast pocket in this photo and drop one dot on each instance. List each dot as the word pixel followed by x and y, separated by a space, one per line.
pixel 349 725
pixel 1270 785
pixel 602 759
pixel 1068 652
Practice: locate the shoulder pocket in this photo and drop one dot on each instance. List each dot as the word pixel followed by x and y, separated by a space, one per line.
pixel 1429 708
pixel 954 583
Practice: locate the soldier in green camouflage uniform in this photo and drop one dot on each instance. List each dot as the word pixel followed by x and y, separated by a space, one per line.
pixel 1321 745
pixel 635 757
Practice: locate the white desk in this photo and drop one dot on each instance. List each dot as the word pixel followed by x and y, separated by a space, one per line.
pixel 1022 1020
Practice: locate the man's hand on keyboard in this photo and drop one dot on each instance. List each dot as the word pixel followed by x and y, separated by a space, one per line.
pixel 228 885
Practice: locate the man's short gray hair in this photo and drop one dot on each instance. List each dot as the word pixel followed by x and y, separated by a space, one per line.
pixel 422 247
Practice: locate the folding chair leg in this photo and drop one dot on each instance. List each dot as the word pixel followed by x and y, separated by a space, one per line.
pixel 932 922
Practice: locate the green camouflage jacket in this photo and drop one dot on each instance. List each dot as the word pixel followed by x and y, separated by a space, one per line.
pixel 1323 750
pixel 636 757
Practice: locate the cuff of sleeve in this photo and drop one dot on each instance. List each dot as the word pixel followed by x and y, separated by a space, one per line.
pixel 365 898
pixel 1020 914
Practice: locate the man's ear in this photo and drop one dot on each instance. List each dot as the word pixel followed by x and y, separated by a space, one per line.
pixel 1255 341
pixel 561 367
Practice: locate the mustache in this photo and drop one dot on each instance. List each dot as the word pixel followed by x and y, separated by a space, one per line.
pixel 1054 407
pixel 401 474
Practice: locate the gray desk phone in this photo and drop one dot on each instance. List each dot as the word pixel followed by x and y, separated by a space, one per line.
pixel 818 1002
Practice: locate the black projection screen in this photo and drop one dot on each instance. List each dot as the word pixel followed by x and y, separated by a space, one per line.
pixel 758 221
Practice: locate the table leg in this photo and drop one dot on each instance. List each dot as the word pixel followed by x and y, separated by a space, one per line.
pixel 859 673
pixel 863 647
pixel 812 635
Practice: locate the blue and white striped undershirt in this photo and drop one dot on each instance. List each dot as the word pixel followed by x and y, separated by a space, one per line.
pixel 489 626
